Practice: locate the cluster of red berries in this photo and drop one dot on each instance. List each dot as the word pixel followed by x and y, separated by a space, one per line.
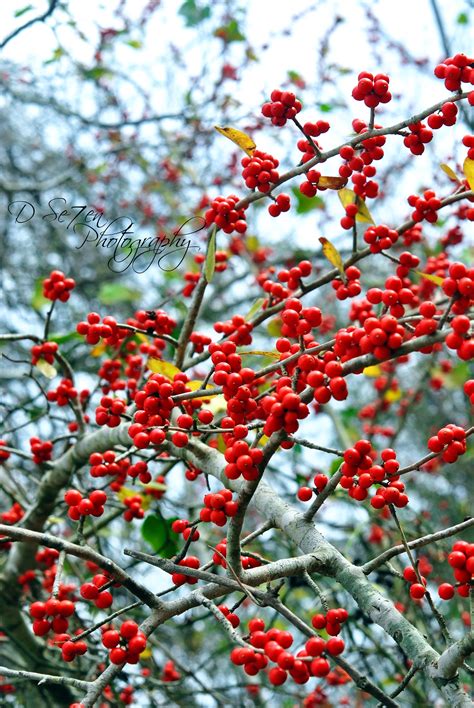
pixel 380 237
pixel 236 329
pixel 456 70
pixel 310 186
pixel 109 411
pixel 218 557
pixel 242 460
pixel 199 341
pixel 260 171
pixel 417 138
pixel 331 622
pixel 154 405
pixel 57 286
pixel 105 464
pixel 42 450
pixel 223 213
pixel 230 616
pixel 12 515
pixel 395 296
pixel 64 393
pixel 56 610
pixel 359 473
pixel 281 204
pixel 218 507
pixel 70 649
pixel 125 644
pixel 292 277
pixel 283 106
pixel 44 351
pixel 153 321
pixel 275 644
pixel 93 330
pixel 95 591
pixel 305 493
pixel 184 527
pixel 134 508
pixel 284 408
pixel 181 578
pixel 459 285
pixel 378 336
pixel 417 583
pixel 351 287
pixel 372 89
pixel 93 505
pixel 446 116
pixel 468 141
pixel 425 207
pixel 298 320
pixel 450 440
pixel 169 672
pixel 461 560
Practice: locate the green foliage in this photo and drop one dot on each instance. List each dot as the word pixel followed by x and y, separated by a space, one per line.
pixel 194 13
pixel 156 530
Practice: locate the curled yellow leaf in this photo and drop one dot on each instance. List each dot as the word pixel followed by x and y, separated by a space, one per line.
pixel 332 254
pixel 468 169
pixel 436 279
pixel 347 196
pixel 372 370
pixel 450 172
pixel 46 369
pixel 241 139
pixel 392 396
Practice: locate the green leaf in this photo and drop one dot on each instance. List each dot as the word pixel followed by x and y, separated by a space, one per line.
pixel 257 305
pixel 111 293
pixel 38 299
pixel 230 33
pixel 335 464
pixel 210 263
pixel 325 107
pixel 23 11
pixel 305 204
pixel 156 530
pixel 462 18
pixel 134 43
pixel 194 13
pixel 57 54
pixel 64 338
pixel 96 73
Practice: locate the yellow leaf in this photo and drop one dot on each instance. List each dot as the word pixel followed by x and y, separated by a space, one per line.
pixel 146 653
pixel 158 486
pixel 436 279
pixel 252 243
pixel 162 367
pixel 99 349
pixel 241 139
pixel 263 440
pixel 274 327
pixel 273 355
pixel 391 396
pixel 468 169
pixel 331 182
pixel 372 370
pixel 347 196
pixel 450 172
pixel 217 404
pixel 196 385
pixel 141 337
pixel 332 254
pixel 46 369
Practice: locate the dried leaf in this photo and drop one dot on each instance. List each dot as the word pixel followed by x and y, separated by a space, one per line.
pixel 332 254
pixel 273 355
pixel 436 279
pixel 468 169
pixel 46 369
pixel 241 139
pixel 162 367
pixel 331 182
